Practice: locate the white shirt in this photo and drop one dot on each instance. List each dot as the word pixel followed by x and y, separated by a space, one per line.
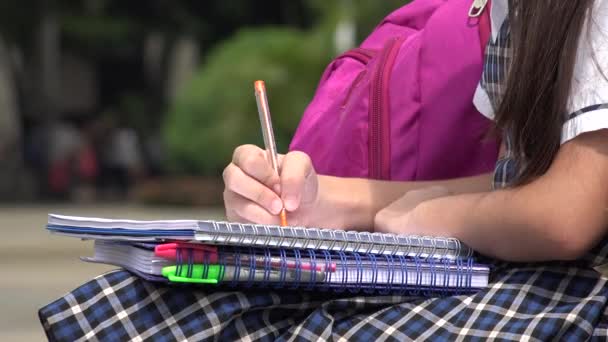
pixel 588 100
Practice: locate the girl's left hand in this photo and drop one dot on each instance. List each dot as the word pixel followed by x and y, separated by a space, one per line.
pixel 399 216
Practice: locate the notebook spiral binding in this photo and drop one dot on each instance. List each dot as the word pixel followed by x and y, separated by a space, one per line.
pixel 238 234
pixel 336 271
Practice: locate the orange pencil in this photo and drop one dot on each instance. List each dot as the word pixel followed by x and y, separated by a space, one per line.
pixel 268 133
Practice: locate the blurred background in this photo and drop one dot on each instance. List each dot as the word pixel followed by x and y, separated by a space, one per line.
pixel 132 109
pixel 106 100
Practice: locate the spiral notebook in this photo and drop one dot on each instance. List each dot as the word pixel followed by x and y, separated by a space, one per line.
pixel 252 235
pixel 208 265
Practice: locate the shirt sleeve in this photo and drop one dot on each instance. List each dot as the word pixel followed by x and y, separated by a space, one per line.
pixel 588 101
pixel 482 102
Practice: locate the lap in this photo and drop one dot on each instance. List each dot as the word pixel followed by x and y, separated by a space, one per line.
pixel 544 302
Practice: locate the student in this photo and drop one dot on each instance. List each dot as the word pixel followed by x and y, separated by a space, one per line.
pixel 546 89
pixel 551 196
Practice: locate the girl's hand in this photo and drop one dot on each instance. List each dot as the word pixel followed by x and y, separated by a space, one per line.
pixel 399 216
pixel 254 193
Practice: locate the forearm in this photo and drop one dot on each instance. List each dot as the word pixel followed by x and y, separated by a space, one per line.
pixel 531 223
pixel 499 224
pixel 559 216
pixel 353 202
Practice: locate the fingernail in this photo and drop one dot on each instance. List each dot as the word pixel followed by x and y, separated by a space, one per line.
pixel 276 206
pixel 291 203
pixel 277 188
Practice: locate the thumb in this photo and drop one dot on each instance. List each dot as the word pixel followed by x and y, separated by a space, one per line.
pixel 295 170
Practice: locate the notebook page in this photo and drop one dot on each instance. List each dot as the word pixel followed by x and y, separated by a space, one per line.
pixel 237 234
pixel 129 238
pixel 128 256
pixel 104 223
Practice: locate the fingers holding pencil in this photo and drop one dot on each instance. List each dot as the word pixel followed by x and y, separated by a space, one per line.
pixel 252 196
pixel 238 182
pixel 252 160
pixel 263 187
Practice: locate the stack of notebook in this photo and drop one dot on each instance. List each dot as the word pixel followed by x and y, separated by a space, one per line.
pixel 214 253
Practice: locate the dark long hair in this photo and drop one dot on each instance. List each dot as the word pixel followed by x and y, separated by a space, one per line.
pixel 545 35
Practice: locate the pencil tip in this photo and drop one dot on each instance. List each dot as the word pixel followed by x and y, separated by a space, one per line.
pixel 283 217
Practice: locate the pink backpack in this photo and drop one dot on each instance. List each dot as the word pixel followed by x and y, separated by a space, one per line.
pixel 400 106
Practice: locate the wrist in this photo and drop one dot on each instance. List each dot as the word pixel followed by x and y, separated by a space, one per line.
pixel 343 203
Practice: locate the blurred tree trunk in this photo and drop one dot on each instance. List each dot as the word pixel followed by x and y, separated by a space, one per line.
pixel 39 81
pixel 182 64
pixel 156 56
pixel 47 61
pixel 11 161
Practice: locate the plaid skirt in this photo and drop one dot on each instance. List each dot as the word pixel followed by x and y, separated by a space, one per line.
pixel 523 302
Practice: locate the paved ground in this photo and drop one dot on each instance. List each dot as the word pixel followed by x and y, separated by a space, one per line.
pixel 39 267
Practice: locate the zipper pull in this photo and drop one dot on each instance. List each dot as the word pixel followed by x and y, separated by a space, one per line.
pixel 477 8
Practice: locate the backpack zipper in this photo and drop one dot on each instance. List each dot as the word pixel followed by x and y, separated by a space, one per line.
pixel 379 108
pixel 379 112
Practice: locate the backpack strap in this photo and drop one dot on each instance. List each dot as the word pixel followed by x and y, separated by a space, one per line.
pixel 485 26
pixel 480 9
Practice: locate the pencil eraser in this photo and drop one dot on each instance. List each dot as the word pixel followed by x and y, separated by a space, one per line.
pixel 259 85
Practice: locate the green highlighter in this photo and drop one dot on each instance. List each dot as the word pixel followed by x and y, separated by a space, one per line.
pixel 200 274
pixel 215 274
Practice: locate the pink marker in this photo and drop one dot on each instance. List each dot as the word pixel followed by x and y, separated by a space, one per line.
pixel 200 253
pixel 208 254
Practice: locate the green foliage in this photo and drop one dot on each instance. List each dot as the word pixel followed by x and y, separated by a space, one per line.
pixel 217 111
pixel 366 14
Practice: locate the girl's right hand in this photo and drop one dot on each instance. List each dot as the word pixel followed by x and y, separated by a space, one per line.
pixel 254 193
